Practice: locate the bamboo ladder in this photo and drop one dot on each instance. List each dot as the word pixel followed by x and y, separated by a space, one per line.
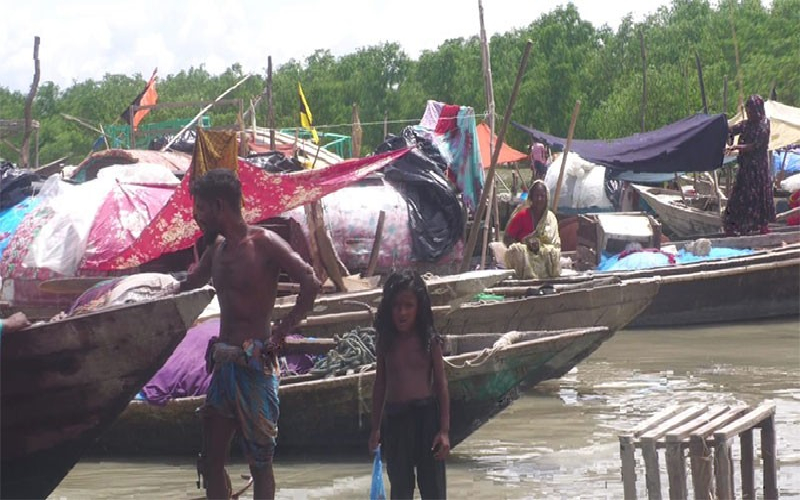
pixel 701 430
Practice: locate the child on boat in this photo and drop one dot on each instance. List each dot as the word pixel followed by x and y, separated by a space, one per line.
pixel 411 390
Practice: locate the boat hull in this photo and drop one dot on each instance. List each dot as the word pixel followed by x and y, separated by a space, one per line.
pixel 332 416
pixel 752 292
pixel 610 305
pixel 64 382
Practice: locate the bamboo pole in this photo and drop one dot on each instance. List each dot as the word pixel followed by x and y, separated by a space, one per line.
pixel 201 113
pixel 575 112
pixel 489 89
pixel 644 77
pixel 385 123
pixel 270 106
pixel 702 83
pixel 24 156
pixel 473 232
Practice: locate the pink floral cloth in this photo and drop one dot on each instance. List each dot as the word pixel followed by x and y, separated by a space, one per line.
pixel 265 195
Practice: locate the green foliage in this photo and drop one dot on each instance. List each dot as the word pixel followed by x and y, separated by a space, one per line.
pixel 571 59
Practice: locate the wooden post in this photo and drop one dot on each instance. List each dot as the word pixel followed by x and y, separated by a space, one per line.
pixel 356 133
pixel 722 472
pixel 564 155
pixel 473 232
pixel 489 89
pixel 725 94
pixel 133 132
pixel 700 458
pixel 270 106
pixel 747 465
pixel 36 151
pixel 702 83
pixel 627 452
pixel 376 245
pixel 769 457
pixel 738 66
pixel 644 77
pixel 676 471
pixel 385 123
pixel 24 151
pixel 513 184
pixel 652 476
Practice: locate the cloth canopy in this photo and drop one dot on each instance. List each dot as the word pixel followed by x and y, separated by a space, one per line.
pixel 784 124
pixel 507 153
pixel 696 143
pixel 265 195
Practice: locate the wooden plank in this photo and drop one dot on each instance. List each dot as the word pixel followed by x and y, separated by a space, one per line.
pixel 722 472
pixel 747 421
pixel 769 458
pixel 747 465
pixel 376 245
pixel 656 419
pixel 723 419
pixel 700 458
pixel 687 414
pixel 682 432
pixel 627 450
pixel 676 471
pixel 652 476
pixel 308 346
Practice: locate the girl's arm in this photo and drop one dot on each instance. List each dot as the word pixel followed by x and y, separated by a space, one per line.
pixel 442 440
pixel 378 399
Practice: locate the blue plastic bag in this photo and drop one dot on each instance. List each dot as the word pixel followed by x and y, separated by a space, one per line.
pixel 377 491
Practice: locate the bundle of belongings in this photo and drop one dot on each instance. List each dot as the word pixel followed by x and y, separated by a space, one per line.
pixel 16 184
pixel 120 291
pixel 275 162
pixel 436 218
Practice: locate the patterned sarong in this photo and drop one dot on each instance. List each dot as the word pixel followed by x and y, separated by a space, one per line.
pixel 245 388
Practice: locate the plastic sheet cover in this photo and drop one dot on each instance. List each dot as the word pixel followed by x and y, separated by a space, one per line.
pixel 583 185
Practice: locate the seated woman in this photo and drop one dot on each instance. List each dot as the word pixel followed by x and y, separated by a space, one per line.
pixel 532 237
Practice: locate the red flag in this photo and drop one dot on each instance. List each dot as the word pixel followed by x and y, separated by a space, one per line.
pixel 147 97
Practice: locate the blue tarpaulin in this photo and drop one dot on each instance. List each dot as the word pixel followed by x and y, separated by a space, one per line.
pixel 694 144
pixel 10 219
pixel 791 164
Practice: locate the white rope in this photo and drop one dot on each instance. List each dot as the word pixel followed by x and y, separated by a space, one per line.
pixel 482 357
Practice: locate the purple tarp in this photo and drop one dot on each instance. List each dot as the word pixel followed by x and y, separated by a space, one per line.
pixel 184 373
pixel 694 144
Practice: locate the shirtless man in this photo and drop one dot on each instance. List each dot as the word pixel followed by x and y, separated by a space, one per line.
pixel 243 263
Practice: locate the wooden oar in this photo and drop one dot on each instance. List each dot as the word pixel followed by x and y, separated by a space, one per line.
pixel 787 214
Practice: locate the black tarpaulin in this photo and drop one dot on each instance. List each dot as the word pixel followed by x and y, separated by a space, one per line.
pixel 694 144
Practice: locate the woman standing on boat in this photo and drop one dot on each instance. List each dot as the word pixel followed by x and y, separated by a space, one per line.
pixel 751 207
pixel 532 236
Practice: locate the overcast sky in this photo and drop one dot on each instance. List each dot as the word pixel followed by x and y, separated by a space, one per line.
pixel 83 39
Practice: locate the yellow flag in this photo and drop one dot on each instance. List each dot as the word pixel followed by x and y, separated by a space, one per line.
pixel 306 121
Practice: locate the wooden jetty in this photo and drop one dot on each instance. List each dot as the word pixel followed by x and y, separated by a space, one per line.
pixel 707 433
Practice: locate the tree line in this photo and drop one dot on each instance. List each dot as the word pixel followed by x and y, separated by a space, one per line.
pixel 571 59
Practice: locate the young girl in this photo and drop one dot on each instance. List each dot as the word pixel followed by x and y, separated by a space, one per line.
pixel 411 389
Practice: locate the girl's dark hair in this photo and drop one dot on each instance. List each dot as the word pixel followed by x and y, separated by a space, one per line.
pixel 384 323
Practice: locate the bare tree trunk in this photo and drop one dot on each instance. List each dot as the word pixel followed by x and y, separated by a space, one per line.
pixel 24 156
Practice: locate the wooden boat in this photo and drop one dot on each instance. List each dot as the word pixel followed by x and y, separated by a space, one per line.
pixel 764 287
pixel 696 216
pixel 64 382
pixel 765 284
pixel 443 290
pixel 610 303
pixel 333 414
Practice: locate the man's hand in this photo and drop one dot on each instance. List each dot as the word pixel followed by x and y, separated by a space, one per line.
pixel 15 322
pixel 276 341
pixel 441 446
